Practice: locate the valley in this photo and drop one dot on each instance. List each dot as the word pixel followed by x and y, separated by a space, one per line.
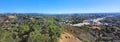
pixel 59 28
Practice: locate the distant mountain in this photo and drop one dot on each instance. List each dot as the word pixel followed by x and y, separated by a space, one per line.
pixel 72 14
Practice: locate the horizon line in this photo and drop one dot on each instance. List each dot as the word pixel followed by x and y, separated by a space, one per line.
pixel 52 13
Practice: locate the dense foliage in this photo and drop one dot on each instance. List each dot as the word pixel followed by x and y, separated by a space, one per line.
pixel 27 28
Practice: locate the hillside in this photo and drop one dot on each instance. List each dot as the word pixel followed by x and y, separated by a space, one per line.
pixel 59 28
pixel 29 28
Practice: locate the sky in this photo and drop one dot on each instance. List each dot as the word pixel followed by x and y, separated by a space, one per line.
pixel 59 6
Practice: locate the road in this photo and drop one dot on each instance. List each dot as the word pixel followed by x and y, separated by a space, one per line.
pixel 87 23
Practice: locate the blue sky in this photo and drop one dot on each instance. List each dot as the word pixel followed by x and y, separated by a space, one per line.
pixel 59 6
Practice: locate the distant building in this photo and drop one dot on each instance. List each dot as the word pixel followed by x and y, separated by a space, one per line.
pixel 11 17
pixel 91 22
pixel 7 18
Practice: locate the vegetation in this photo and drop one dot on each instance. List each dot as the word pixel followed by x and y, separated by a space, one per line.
pixel 44 28
pixel 30 29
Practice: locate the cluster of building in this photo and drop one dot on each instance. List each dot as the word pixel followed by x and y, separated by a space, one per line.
pixel 109 34
pixel 7 18
pixel 93 22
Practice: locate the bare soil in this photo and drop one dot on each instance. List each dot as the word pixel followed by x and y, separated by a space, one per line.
pixel 67 37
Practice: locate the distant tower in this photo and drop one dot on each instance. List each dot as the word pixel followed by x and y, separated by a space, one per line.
pixel 91 22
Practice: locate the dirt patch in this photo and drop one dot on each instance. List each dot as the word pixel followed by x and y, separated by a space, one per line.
pixel 67 37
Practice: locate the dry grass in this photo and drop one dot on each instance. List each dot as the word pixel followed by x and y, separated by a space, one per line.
pixel 67 37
